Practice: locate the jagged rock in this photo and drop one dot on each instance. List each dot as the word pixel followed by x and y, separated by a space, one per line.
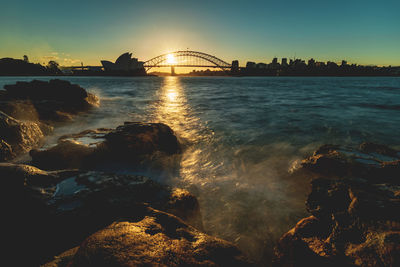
pixel 55 100
pixel 370 161
pixel 20 137
pixel 129 143
pixel 61 208
pixel 6 152
pixel 157 239
pixel 134 138
pixel 355 212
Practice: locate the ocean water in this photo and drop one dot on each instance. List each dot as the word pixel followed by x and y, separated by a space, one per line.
pixel 244 136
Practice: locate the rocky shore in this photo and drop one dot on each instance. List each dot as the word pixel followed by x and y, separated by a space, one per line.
pixel 69 205
pixel 60 202
pixel 355 210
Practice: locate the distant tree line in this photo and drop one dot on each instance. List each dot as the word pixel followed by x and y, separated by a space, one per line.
pixel 18 67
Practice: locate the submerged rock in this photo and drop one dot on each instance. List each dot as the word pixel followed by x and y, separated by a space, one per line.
pixel 158 239
pixel 129 143
pixel 17 137
pixel 61 208
pixel 55 100
pixel 355 211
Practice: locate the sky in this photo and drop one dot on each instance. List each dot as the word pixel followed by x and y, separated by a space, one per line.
pixel 360 31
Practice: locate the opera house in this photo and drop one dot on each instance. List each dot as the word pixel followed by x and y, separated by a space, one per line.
pixel 124 64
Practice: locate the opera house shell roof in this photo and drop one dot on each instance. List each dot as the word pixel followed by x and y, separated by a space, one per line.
pixel 124 62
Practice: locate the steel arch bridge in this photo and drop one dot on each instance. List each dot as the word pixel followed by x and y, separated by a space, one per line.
pixel 186 59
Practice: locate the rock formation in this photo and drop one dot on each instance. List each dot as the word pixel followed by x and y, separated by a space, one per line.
pixel 128 143
pixel 17 137
pixel 52 101
pixel 28 108
pixel 61 208
pixel 158 239
pixel 355 210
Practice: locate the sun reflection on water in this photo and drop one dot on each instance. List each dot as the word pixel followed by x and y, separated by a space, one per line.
pixel 173 109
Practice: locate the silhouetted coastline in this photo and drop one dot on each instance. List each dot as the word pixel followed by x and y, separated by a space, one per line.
pixel 297 67
pixel 18 67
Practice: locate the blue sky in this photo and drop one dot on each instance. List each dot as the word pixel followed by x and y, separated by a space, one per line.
pixel 364 32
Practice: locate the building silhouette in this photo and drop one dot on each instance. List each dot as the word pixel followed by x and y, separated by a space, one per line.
pixel 124 64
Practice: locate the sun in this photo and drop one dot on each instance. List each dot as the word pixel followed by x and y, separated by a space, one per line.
pixel 171 59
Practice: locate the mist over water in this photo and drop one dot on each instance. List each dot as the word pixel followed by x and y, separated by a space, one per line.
pixel 243 136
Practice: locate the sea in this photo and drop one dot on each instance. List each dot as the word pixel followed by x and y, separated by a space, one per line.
pixel 244 139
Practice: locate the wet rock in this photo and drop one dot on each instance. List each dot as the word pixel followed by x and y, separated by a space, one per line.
pixel 6 152
pixel 370 161
pixel 134 138
pixel 67 154
pixel 304 246
pixel 354 223
pixel 62 260
pixel 61 208
pixel 157 239
pixel 130 143
pixel 355 211
pixel 19 137
pixel 186 206
pixel 55 100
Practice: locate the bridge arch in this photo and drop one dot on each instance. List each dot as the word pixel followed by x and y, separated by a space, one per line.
pixel 185 59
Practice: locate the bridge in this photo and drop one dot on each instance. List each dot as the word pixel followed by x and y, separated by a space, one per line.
pixel 186 58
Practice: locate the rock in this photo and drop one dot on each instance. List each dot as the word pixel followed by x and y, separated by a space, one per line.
pixel 61 208
pixel 354 223
pixel 157 239
pixel 63 259
pixel 370 161
pixel 19 137
pixel 135 138
pixel 128 144
pixel 19 109
pixel 55 100
pixel 68 154
pixel 379 149
pixel 6 152
pixel 304 246
pixel 31 103
pixel 355 212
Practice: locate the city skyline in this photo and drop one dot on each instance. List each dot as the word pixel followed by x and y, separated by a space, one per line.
pixel 361 32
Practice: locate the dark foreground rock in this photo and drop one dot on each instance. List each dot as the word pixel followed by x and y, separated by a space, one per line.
pixel 129 143
pixel 158 239
pixel 17 137
pixel 355 211
pixel 52 101
pixel 49 212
